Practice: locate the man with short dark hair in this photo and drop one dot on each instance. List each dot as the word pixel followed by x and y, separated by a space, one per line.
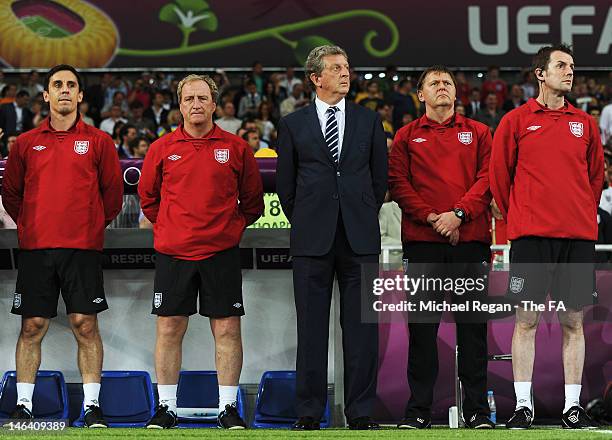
pixel 157 113
pixel 494 84
pixel 144 126
pixel 491 114
pixel 438 175
pixel 544 148
pixel 249 103
pixel 62 186
pixel 403 101
pixel 252 138
pixel 229 122
pixel 15 117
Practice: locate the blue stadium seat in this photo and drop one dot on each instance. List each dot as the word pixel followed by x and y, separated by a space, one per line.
pixel 276 402
pixel 126 399
pixel 50 400
pixel 198 391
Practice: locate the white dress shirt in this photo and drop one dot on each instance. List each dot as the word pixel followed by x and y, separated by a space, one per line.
pixel 340 118
pixel 19 117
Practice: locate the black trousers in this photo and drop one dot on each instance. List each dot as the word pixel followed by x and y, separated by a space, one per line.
pixel 465 259
pixel 313 279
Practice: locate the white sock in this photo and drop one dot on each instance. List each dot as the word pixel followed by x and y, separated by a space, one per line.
pixel 91 392
pixel 25 391
pixel 167 396
pixel 572 396
pixel 227 396
pixel 523 394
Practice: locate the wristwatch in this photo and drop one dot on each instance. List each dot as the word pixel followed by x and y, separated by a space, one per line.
pixel 460 213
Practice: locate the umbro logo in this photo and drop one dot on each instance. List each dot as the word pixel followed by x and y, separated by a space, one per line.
pixel 533 127
pixel 419 140
pixel 98 300
pixel 174 157
pixel 237 305
pixel 39 147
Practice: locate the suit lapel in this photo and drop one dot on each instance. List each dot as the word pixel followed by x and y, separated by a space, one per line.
pixel 349 128
pixel 315 128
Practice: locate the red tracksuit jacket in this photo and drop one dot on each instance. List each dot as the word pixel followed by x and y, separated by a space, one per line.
pixel 547 171
pixel 438 167
pixel 62 188
pixel 200 194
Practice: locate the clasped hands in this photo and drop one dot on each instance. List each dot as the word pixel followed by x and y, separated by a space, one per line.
pixel 446 224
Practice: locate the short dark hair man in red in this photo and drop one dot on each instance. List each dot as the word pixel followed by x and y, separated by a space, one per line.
pixel 62 186
pixel 200 187
pixel 438 175
pixel 547 176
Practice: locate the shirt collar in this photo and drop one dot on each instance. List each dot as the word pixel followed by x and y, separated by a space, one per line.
pixel 535 107
pixel 323 106
pixel 455 119
pixel 76 127
pixel 181 135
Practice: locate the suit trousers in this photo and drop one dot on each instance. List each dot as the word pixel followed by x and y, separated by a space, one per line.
pixel 313 278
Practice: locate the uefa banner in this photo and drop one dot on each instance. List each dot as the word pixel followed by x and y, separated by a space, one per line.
pixel 215 33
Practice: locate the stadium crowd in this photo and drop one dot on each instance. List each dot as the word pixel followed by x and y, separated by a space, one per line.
pixel 136 110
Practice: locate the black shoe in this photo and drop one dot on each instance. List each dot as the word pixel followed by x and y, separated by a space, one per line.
pixel 479 421
pixel 162 419
pixel 230 419
pixel 306 424
pixel 19 413
pixel 521 419
pixel 94 418
pixel 577 418
pixel 363 424
pixel 414 423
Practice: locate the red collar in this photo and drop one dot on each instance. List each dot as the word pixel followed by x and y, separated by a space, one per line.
pixel 455 119
pixel 535 107
pixel 77 127
pixel 181 135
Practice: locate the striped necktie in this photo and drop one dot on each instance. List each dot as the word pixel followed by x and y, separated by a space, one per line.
pixel 331 132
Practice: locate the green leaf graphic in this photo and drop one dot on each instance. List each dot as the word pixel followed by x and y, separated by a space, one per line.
pixel 192 5
pixel 209 23
pixel 168 14
pixel 306 44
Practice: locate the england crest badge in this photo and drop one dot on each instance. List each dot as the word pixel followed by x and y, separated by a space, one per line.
pixel 576 128
pixel 465 137
pixel 17 300
pixel 516 284
pixel 157 300
pixel 222 155
pixel 81 147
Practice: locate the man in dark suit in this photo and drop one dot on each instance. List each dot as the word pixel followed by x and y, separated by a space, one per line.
pixel 331 181
pixel 15 117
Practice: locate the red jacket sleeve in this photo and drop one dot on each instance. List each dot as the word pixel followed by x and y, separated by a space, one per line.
pixel 503 162
pixel 400 185
pixel 149 187
pixel 476 201
pixel 595 159
pixel 110 179
pixel 13 183
pixel 250 188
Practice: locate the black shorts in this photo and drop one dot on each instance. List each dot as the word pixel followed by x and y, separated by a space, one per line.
pixel 218 279
pixel 43 273
pixel 562 267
